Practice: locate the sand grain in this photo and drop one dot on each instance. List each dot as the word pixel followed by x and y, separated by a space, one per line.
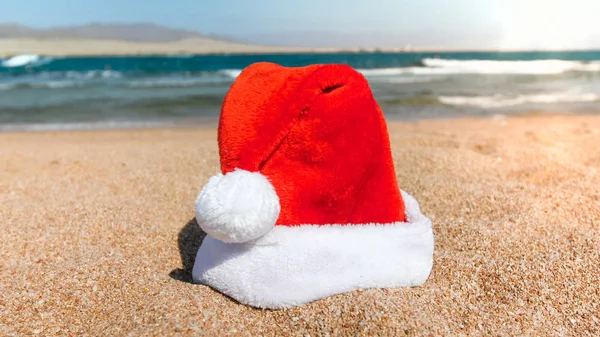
pixel 97 234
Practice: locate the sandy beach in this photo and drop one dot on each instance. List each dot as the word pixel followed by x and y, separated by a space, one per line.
pixel 198 46
pixel 97 47
pixel 98 236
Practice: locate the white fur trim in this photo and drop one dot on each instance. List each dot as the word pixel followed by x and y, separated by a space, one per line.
pixel 291 266
pixel 238 206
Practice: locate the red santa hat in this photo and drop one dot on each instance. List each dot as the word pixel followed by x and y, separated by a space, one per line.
pixel 307 204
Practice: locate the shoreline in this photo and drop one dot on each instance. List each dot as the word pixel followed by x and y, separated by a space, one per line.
pixel 102 126
pixel 212 123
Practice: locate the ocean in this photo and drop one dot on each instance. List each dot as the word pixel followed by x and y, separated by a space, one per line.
pixel 44 93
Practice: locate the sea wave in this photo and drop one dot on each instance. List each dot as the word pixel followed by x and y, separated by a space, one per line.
pixel 533 67
pixel 56 84
pixel 503 101
pixel 6 86
pixel 440 67
pixel 232 73
pixel 40 85
pixel 183 81
pixel 388 75
pixel 405 79
pixel 85 75
pixel 167 83
pixel 26 60
pixel 377 72
pixel 433 67
pixel 59 80
pixel 99 125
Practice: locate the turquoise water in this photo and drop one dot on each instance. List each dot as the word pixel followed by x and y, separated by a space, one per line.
pixel 38 92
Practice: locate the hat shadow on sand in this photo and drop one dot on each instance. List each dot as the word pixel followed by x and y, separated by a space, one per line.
pixel 189 240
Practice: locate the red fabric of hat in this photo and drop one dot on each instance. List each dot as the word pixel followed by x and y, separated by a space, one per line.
pixel 307 182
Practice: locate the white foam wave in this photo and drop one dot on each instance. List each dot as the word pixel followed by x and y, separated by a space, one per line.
pixel 60 80
pixel 86 75
pixel 440 67
pixel 56 84
pixel 405 79
pixel 383 72
pixel 399 75
pixel 40 85
pixel 105 125
pixel 85 126
pixel 20 60
pixel 534 67
pixel 502 101
pixel 379 74
pixel 31 60
pixel 159 83
pixel 233 73
pixel 173 82
pixel 6 86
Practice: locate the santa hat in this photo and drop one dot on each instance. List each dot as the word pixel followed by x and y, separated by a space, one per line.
pixel 307 204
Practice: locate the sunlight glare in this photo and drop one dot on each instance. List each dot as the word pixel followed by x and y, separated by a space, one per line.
pixel 542 24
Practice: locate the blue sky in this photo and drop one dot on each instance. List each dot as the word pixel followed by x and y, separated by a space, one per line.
pixel 244 16
pixel 504 23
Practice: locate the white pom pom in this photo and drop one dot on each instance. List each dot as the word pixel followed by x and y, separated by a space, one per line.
pixel 237 207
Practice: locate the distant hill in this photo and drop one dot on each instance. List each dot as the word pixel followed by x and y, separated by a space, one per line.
pixel 124 39
pixel 137 32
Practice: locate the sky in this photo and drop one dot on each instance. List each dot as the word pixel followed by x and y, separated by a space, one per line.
pixel 506 24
